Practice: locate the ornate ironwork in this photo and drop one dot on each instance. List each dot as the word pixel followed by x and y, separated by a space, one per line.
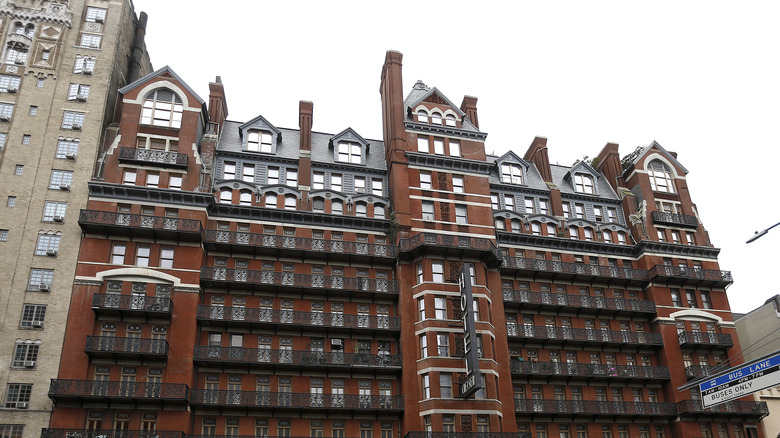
pixel 137 303
pixel 116 219
pixel 295 357
pixel 277 316
pixel 606 371
pixel 695 371
pixel 110 433
pixel 292 279
pixel 684 272
pixel 61 388
pixel 113 344
pixel 450 241
pixel 731 407
pixel 154 156
pixel 295 400
pixel 300 243
pixel 584 335
pixel 704 338
pixel 673 218
pixel 578 269
pixel 596 407
pixel 581 301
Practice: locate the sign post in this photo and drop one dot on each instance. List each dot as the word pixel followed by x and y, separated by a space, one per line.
pixel 739 382
pixel 473 381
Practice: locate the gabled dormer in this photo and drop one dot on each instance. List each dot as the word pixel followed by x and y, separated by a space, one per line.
pixel 512 169
pixel 349 147
pixel 583 179
pixel 259 135
pixel 661 167
pixel 431 106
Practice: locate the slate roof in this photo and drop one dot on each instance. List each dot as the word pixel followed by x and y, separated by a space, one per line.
pixel 558 172
pixel 533 179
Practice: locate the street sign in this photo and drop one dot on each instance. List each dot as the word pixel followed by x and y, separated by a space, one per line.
pixel 739 382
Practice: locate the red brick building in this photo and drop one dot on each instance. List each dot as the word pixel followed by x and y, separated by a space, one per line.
pixel 243 279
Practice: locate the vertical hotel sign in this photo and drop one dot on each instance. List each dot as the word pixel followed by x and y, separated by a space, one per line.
pixel 473 381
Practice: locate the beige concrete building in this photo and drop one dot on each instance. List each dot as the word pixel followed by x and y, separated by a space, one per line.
pixel 62 63
pixel 758 335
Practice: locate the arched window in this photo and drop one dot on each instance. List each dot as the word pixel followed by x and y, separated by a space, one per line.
pixel 516 226
pixel 449 120
pixel 589 234
pixel 500 225
pixel 536 228
pixel 270 200
pixel 290 202
pixel 379 211
pixel 573 233
pixel 245 197
pixel 162 107
pixel 360 209
pixel 318 204
pixel 337 206
pixel 422 116
pixel 621 238
pixel 435 118
pixel 606 235
pixel 660 177
pixel 226 196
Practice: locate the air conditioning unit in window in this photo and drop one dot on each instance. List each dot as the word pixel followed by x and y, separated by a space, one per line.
pixel 81 98
pixel 76 127
pixel 29 364
pixel 360 190
pixel 335 342
pixel 22 405
pixel 37 324
pixel 58 218
pixel 12 90
pixel 5 119
pixel 99 20
pixel 51 252
pixel 19 62
pixel 43 287
pixel 87 71
pixel 65 187
pixel 70 156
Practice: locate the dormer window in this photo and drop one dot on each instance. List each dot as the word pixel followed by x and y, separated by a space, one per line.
pixel 449 120
pixel 422 116
pixel 660 177
pixel 162 107
pixel 584 184
pixel 511 173
pixel 259 141
pixel 350 152
pixel 435 118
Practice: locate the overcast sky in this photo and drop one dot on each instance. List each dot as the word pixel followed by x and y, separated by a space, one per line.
pixel 700 78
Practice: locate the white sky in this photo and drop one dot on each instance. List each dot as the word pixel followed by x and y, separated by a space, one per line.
pixel 701 78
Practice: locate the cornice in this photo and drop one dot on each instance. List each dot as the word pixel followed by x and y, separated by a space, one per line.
pixel 448 163
pixel 562 244
pixel 673 249
pixel 51 12
pixel 295 217
pixel 146 194
pixel 444 130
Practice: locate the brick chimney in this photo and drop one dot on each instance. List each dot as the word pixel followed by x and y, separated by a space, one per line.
pixel 218 110
pixel 391 92
pixel 469 106
pixel 305 114
pixel 537 154
pixel 608 163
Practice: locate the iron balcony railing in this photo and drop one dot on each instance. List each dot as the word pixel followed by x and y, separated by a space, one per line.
pixel 291 279
pixel 549 299
pixel 449 241
pixel 94 389
pixel 153 156
pixel 696 371
pixel 295 400
pixel 110 433
pixel 595 407
pixel 113 219
pixel 131 303
pixel 299 243
pixel 588 370
pixel 134 346
pixel 262 356
pixel 684 275
pixel 705 339
pixel 731 407
pixel 584 335
pixel 661 217
pixel 240 315
pixel 575 269
pixel 467 435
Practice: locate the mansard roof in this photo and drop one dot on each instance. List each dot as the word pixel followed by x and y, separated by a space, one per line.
pixel 258 122
pixel 160 72
pixel 561 178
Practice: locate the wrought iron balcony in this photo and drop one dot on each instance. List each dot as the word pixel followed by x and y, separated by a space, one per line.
pixel 743 408
pixel 110 433
pixel 272 280
pixel 567 271
pixel 661 217
pixel 292 246
pixel 698 371
pixel 568 335
pixel 116 304
pixel 296 400
pixel 601 305
pixel 589 371
pixel 705 340
pixel 127 348
pixel 90 391
pixel 467 435
pixel 261 357
pixel 153 157
pixel 449 245
pixel 596 408
pixel 682 275
pixel 139 226
pixel 238 316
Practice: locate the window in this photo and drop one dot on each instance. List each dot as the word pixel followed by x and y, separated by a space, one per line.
pixel 67 148
pixel 511 173
pixel 3 235
pixel 438 272
pixel 245 197
pixel 661 235
pixel 18 395
pixel 440 307
pixel 16 56
pixel 335 182
pixel 33 315
pixel 579 211
pixel 621 238
pixel 290 202
pixel 166 257
pixel 84 65
pixel 174 183
pixel 529 206
pixel 445 385
pixel 457 184
pixel 454 148
pixel 337 206
pixel 705 300
pixel 39 278
pixel 438 146
pixel 420 280
pixel 129 177
pixel 598 213
pixel 162 107
pixel 690 296
pixel 11 201
pixel 660 177
pixel 291 178
pixel 544 207
pixel 461 215
pixel 611 214
pixel 6 111
pixel 573 233
pixel 588 234
pixel 9 84
pixel 350 152
pixel 73 120
pixel 435 118
pixel 449 120
pixel 152 179
pixel 377 187
pixel 19 170
pixel 25 354
pixel 689 238
pixel 142 255
pixel 226 196
pixel 318 181
pixel 422 116
pixel 360 184
pixel 38 84
pixel 95 15
pixel 566 210
pixel 425 180
pixel 584 184
pixel 423 346
pixel 676 300
pixel 509 202
pixel 260 141
pixel 426 386
pixel 536 228
pixel 422 144
pixel 273 176
pixel 606 235
pixel 427 211
pixel 54 211
pixel 494 201
pixel 48 244
pixel 270 200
